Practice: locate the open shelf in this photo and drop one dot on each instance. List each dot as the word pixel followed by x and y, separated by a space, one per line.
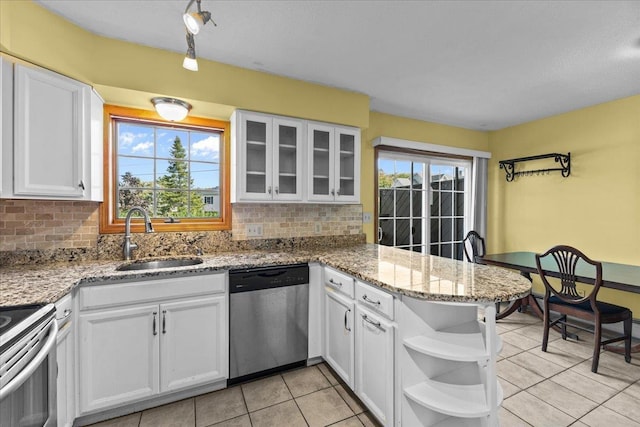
pixel 466 344
pixel 288 146
pixel 256 143
pixel 320 150
pixel 256 173
pixel 564 160
pixel 450 398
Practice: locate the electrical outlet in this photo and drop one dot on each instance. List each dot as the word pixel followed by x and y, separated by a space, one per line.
pixel 366 217
pixel 254 230
pixel 318 228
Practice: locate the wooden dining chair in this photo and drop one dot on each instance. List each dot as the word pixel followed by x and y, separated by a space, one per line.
pixel 561 296
pixel 473 244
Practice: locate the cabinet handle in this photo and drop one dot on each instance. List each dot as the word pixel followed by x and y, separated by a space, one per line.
pixel 155 329
pixel 333 282
pixel 277 190
pixel 346 326
pixel 269 190
pixel 333 192
pixel 376 324
pixel 367 299
pixel 164 321
pixel 338 192
pixel 81 185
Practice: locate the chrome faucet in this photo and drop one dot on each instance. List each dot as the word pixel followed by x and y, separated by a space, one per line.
pixel 148 228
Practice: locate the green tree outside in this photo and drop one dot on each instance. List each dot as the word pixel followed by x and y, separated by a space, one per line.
pixel 173 199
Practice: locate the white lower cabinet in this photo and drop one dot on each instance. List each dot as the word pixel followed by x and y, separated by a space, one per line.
pixel 153 347
pixel 374 363
pixel 119 356
pixel 359 341
pixel 339 335
pixel 190 351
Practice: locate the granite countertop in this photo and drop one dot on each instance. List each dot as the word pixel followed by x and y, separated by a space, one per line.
pixel 427 277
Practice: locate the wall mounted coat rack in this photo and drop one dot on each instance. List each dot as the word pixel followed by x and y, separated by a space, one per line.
pixel 563 159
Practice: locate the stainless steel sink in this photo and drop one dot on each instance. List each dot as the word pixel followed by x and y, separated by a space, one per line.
pixel 162 263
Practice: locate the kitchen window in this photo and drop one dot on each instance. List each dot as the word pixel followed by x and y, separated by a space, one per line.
pixel 427 202
pixel 177 172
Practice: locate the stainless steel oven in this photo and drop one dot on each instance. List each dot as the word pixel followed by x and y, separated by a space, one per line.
pixel 28 366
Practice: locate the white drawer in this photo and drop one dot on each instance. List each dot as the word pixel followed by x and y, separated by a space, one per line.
pixel 375 299
pixel 172 287
pixel 338 281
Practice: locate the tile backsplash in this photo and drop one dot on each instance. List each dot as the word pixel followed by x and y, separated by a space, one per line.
pixel 43 231
pixel 47 224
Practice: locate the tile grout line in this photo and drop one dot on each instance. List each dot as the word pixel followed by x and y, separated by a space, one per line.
pixel 294 399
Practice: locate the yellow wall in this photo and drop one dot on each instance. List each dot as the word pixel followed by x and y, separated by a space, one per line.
pixel 129 74
pixel 596 209
pixel 381 124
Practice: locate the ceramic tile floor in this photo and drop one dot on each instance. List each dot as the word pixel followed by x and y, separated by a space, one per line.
pixel 556 388
pixel 311 396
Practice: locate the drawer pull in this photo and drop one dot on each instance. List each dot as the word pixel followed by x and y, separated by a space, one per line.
pixel 333 282
pixel 367 299
pixel 376 324
pixel 346 326
pixel 155 330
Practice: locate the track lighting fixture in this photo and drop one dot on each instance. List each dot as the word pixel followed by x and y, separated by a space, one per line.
pixel 171 109
pixel 193 21
pixel 190 62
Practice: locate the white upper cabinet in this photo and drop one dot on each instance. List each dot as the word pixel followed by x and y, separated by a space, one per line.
pixel 266 157
pixel 55 148
pixel 268 160
pixel 334 163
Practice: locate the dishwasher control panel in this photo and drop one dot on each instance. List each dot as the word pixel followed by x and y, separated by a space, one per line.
pixel 252 279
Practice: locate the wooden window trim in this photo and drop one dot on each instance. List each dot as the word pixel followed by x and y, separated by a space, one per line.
pixel 109 224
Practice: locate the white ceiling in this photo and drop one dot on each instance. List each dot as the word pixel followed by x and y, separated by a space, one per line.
pixel 475 64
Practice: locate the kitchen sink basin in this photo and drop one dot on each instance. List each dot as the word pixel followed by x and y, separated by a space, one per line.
pixel 162 263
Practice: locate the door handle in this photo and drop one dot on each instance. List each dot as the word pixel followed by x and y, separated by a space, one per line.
pixel 380 234
pixel 346 326
pixel 164 321
pixel 155 329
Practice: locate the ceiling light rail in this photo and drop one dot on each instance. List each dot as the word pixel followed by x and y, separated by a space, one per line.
pixel 563 159
pixel 193 21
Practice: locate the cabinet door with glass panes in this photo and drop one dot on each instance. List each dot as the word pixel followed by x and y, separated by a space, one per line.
pixel 254 157
pixel 287 159
pixel 334 163
pixel 347 160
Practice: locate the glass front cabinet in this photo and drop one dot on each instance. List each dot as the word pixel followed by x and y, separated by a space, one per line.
pixel 334 163
pixel 268 152
pixel 266 158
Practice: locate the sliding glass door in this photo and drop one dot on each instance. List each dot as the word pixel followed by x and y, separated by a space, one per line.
pixel 423 203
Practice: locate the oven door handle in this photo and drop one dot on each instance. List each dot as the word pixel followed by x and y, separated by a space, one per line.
pixel 19 379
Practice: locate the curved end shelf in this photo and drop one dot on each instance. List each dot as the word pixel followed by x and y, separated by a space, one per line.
pixel 461 401
pixel 465 344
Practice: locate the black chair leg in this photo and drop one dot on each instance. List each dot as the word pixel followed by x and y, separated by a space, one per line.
pixel 545 334
pixel 627 339
pixel 596 346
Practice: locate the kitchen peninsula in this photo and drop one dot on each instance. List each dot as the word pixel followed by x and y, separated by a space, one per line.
pixel 403 330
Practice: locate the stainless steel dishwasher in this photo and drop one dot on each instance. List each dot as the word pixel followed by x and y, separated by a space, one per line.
pixel 268 320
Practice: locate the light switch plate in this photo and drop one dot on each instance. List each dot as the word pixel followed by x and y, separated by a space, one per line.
pixel 366 217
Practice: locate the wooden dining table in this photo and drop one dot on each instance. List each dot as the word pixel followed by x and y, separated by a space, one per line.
pixel 623 277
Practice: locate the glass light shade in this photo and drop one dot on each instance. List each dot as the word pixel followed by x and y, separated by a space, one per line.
pixel 171 109
pixel 193 21
pixel 190 63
